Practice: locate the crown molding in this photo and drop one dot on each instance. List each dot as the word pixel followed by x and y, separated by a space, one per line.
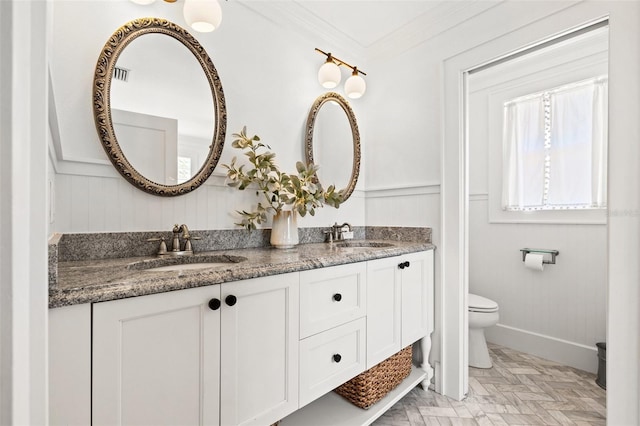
pixel 441 18
pixel 299 19
pixel 435 21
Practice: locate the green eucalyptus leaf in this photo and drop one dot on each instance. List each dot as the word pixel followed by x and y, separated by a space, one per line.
pixel 302 191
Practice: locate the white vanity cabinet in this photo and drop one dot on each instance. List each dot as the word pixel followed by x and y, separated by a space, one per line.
pixel 189 356
pixel 399 303
pixel 248 352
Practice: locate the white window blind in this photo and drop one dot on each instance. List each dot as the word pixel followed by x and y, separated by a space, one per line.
pixel 555 148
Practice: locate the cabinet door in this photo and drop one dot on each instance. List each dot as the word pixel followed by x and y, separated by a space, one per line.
pixel 383 309
pixel 259 358
pixel 156 359
pixel 417 296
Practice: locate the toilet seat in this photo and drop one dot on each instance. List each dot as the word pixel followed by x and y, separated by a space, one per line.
pixel 481 304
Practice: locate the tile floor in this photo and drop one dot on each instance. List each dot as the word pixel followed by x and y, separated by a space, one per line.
pixel 520 389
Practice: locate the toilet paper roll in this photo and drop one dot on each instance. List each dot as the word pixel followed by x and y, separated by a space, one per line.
pixel 534 261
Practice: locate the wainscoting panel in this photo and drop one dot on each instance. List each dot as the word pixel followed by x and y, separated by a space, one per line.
pixel 111 204
pixel 404 206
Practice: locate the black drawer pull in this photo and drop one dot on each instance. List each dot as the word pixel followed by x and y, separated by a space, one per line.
pixel 337 297
pixel 214 304
pixel 404 265
pixel 337 357
pixel 231 300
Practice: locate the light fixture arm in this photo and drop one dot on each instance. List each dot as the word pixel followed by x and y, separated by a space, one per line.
pixel 339 62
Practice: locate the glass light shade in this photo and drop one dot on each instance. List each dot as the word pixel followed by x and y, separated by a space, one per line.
pixel 143 2
pixel 329 75
pixel 202 15
pixel 355 87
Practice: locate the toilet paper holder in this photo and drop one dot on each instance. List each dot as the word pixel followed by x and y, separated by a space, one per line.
pixel 552 253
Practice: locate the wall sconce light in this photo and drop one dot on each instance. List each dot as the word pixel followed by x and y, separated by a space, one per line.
pixel 329 76
pixel 202 15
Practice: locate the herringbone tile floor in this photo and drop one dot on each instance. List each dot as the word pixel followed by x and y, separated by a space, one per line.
pixel 520 389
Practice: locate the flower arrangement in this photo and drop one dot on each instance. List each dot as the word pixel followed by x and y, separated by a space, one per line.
pixel 301 192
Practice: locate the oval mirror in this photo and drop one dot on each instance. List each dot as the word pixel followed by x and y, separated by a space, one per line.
pixel 332 141
pixel 159 107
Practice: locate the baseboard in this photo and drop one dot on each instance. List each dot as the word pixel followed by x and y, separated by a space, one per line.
pixel 562 351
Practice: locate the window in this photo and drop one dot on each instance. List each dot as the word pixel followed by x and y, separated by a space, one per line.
pixel 555 148
pixel 184 169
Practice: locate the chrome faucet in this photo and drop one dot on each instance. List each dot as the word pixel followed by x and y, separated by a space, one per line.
pixel 338 231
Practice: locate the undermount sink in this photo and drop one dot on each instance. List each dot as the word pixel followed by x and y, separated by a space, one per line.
pixel 185 263
pixel 187 266
pixel 363 244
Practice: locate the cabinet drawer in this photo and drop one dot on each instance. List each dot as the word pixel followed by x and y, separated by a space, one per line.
pixel 331 296
pixel 331 358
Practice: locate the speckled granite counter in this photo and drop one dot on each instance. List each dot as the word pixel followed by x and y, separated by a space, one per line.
pixel 99 280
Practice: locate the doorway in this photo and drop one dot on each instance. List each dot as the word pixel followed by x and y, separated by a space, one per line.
pixel 623 295
pixel 537 145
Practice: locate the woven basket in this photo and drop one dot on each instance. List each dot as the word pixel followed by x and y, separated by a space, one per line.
pixel 369 387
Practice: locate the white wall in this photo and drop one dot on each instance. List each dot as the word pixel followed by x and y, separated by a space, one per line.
pixel 269 79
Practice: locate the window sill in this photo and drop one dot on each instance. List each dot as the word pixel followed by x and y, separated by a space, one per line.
pixel 558 216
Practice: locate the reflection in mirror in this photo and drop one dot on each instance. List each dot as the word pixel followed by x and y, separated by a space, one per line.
pixel 333 142
pixel 163 110
pixel 333 148
pixel 159 107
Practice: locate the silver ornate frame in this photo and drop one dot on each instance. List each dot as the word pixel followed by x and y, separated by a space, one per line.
pixel 102 103
pixel 311 119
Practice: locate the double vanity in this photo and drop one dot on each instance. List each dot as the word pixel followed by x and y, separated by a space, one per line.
pixel 217 327
pixel 238 336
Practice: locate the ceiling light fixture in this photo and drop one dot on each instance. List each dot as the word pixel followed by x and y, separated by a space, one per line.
pixel 202 15
pixel 329 76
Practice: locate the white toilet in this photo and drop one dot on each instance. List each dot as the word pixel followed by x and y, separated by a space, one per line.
pixel 483 313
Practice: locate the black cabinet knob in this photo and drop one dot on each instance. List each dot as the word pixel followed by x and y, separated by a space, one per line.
pixel 230 300
pixel 404 265
pixel 214 304
pixel 337 297
pixel 337 357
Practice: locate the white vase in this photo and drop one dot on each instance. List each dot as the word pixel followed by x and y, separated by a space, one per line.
pixel 284 231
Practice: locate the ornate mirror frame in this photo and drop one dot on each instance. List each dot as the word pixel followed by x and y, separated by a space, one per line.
pixel 311 119
pixel 102 103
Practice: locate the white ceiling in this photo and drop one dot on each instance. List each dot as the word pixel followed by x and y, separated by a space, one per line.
pixel 367 22
pixel 370 29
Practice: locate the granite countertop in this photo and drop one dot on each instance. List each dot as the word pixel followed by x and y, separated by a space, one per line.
pixel 89 281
